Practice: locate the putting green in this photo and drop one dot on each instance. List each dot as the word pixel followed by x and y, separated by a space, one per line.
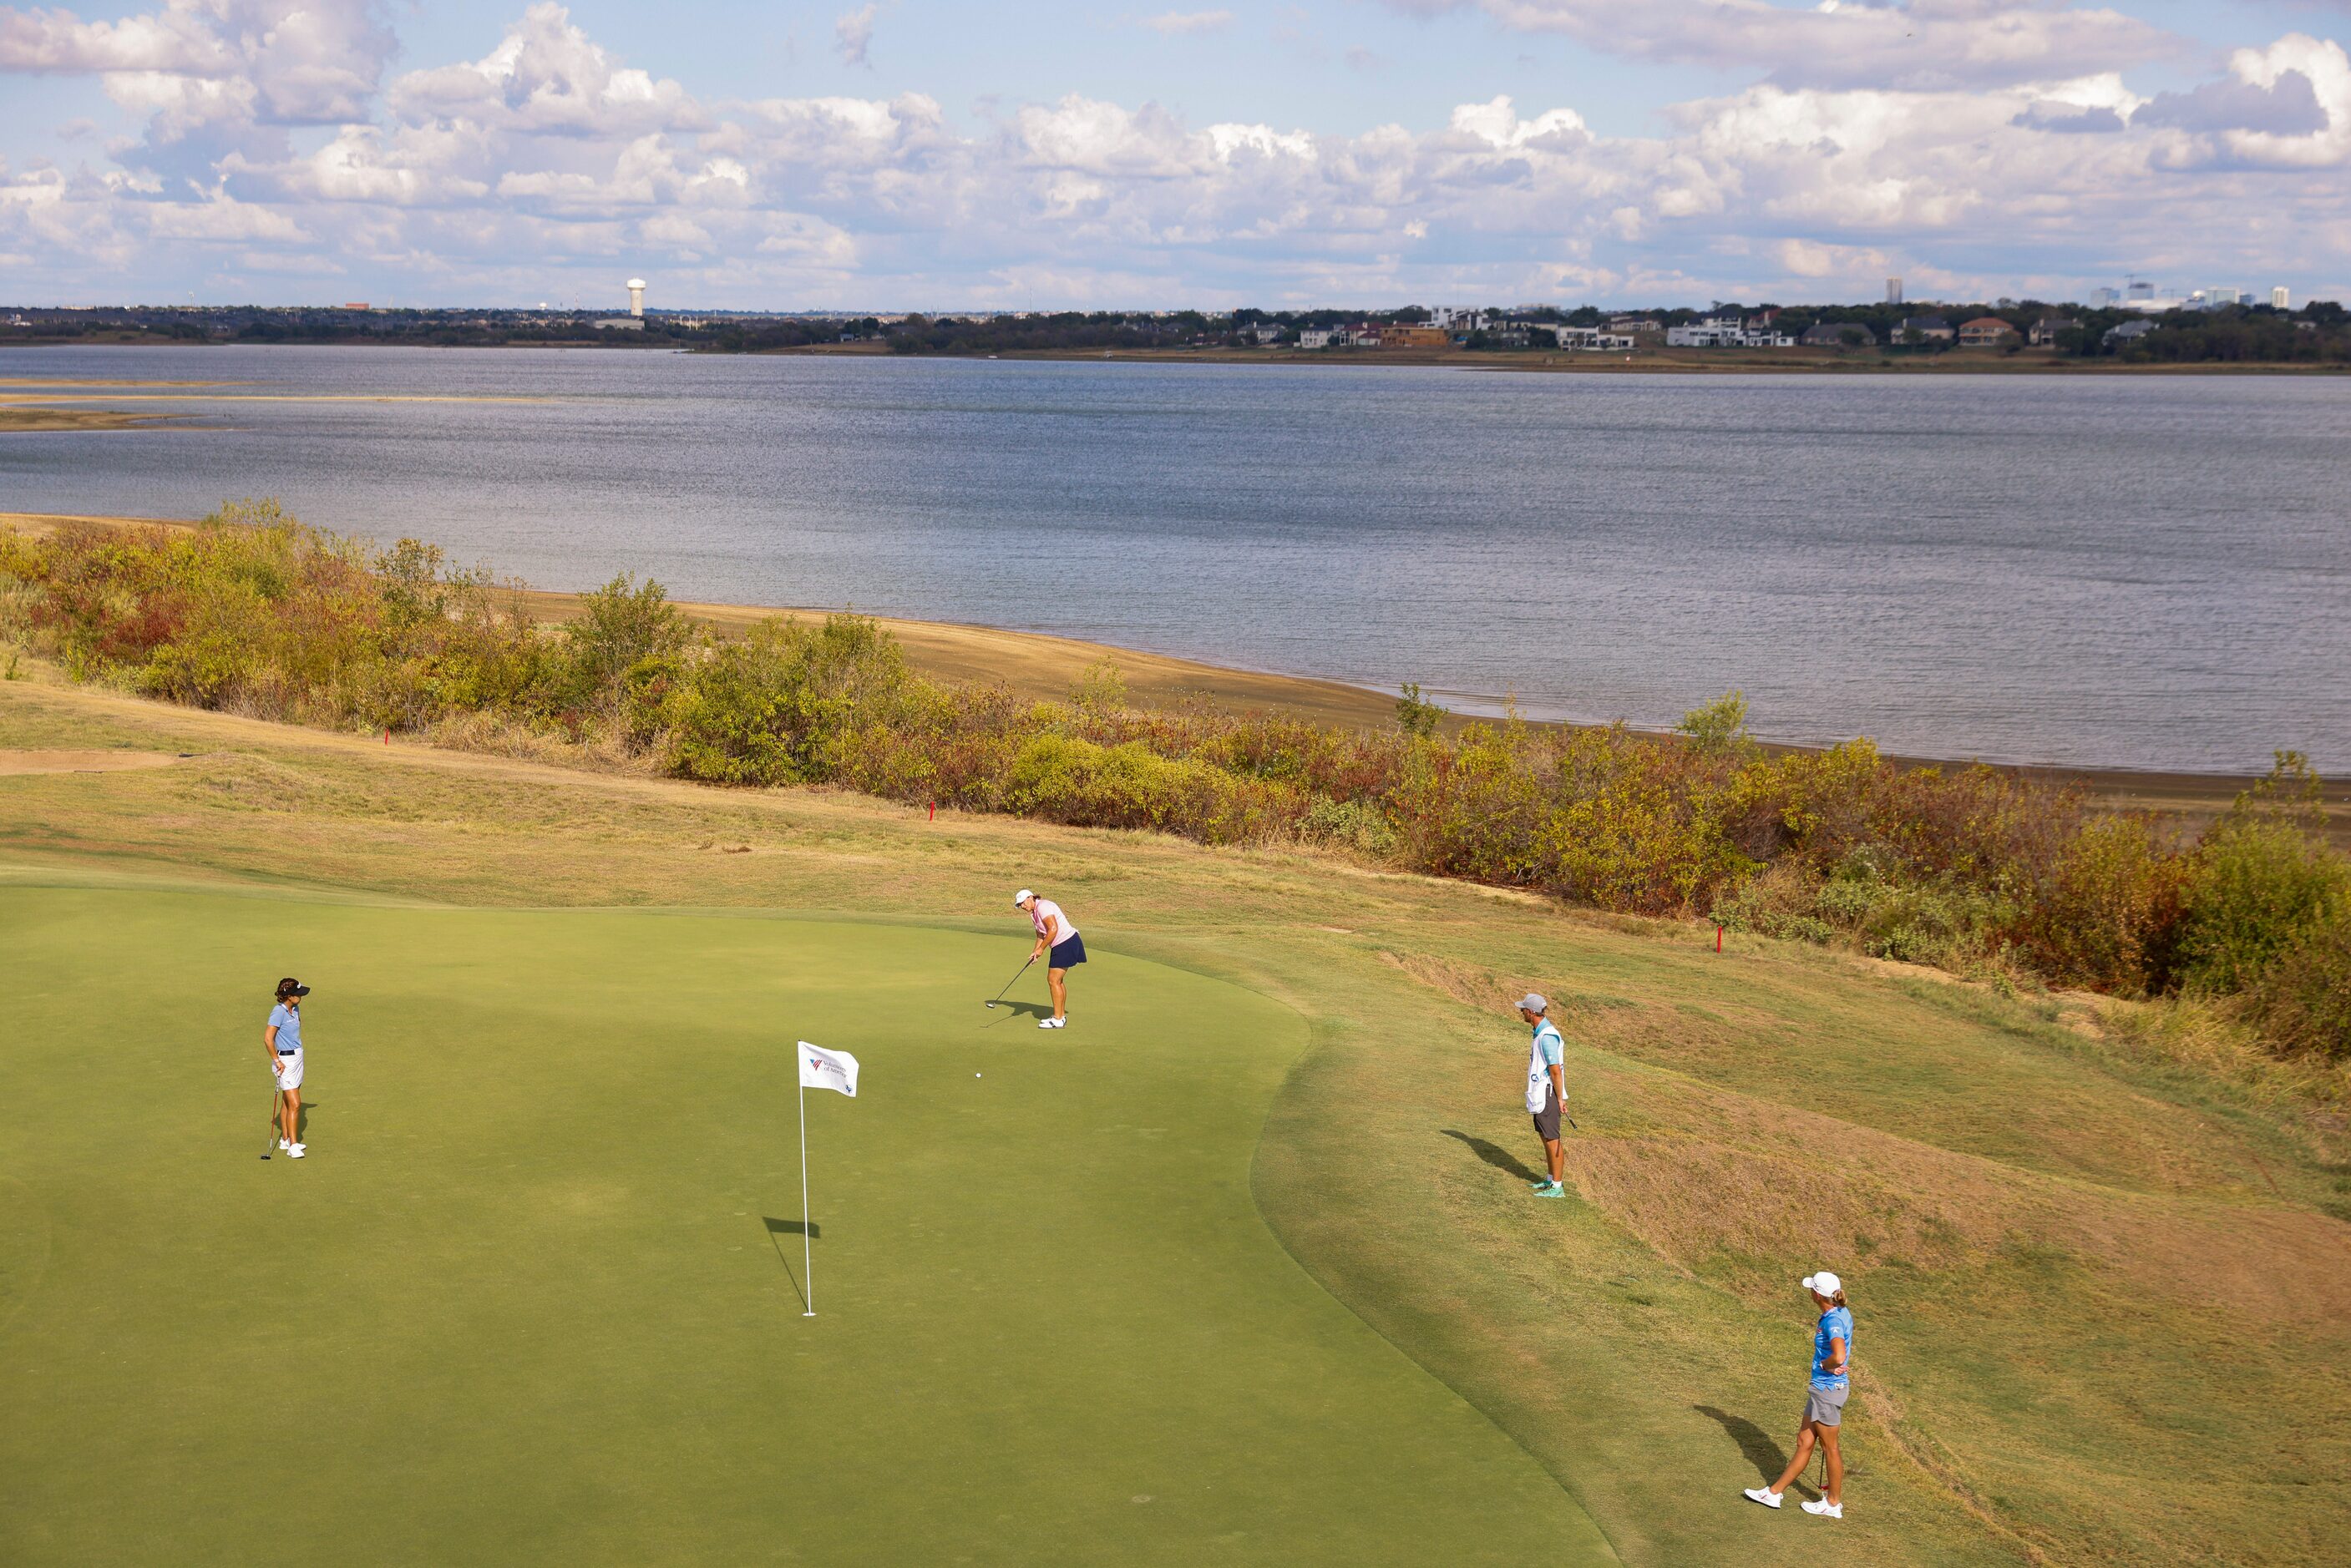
pixel 536 1295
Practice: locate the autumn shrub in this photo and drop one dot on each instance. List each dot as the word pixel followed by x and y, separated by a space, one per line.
pixel 1971 869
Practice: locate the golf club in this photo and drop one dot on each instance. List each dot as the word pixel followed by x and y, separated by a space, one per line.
pixel 271 1142
pixel 1015 980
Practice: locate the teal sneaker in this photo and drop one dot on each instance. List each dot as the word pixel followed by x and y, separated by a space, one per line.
pixel 1551 1190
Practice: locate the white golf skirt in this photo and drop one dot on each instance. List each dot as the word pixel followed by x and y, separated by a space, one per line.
pixel 289 1071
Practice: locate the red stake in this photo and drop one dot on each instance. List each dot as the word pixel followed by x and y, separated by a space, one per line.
pixel 387 735
pixel 935 810
pixel 1717 936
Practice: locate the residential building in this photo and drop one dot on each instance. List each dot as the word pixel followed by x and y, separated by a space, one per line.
pixel 2044 331
pixel 1593 340
pixel 1321 337
pixel 2280 299
pixel 1986 332
pixel 1415 338
pixel 1639 325
pixel 1893 291
pixel 1925 329
pixel 1726 332
pixel 1838 334
pixel 2129 333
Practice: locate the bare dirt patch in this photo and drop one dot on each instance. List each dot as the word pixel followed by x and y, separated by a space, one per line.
pixel 83 762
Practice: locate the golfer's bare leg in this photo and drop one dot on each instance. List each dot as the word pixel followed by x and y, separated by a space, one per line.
pixel 1796 1464
pixel 292 1102
pixel 1061 995
pixel 1834 1489
pixel 1556 1152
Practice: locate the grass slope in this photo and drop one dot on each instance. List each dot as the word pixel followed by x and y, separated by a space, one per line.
pixel 2102 1298
pixel 536 1295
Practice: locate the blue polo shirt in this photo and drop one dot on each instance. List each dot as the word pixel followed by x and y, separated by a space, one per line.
pixel 1836 1323
pixel 287 1022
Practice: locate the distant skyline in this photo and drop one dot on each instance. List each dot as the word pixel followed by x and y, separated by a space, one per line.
pixel 1337 152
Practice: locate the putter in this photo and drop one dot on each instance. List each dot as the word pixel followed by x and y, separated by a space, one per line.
pixel 1014 980
pixel 272 1141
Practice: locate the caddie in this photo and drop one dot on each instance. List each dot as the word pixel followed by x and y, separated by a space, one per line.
pixel 1546 1089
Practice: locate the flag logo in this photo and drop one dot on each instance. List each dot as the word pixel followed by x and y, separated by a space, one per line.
pixel 823 1069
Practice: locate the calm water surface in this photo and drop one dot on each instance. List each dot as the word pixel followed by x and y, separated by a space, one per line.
pixel 2150 573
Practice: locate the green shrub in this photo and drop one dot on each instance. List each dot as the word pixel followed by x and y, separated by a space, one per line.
pixel 783 705
pixel 1720 729
pixel 2302 1002
pixel 1349 824
pixel 1415 715
pixel 2253 887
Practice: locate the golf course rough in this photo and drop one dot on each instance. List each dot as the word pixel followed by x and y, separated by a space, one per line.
pixel 537 1294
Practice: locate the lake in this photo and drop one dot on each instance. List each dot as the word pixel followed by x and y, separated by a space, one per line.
pixel 2136 571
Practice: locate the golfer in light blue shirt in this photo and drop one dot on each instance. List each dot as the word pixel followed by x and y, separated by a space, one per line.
pixel 1824 1403
pixel 282 1038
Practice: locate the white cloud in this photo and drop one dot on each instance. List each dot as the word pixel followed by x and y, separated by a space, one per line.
pixel 1924 45
pixel 480 178
pixel 1174 24
pixel 852 35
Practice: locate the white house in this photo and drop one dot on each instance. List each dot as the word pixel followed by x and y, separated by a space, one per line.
pixel 1726 332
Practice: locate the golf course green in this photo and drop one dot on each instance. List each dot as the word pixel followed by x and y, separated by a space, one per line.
pixel 537 1294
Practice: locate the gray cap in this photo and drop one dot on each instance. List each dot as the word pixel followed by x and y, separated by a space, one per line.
pixel 1532 1002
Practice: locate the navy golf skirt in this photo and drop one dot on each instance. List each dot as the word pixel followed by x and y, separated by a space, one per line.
pixel 1068 953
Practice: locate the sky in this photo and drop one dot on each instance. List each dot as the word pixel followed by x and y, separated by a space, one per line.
pixel 906 155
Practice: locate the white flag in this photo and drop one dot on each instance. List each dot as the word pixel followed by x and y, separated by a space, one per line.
pixel 823 1069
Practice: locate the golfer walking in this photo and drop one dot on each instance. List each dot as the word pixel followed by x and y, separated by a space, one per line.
pixel 1546 1089
pixel 283 1040
pixel 1824 1406
pixel 1059 944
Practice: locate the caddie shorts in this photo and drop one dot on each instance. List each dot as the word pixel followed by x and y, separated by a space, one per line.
pixel 289 1070
pixel 1547 1118
pixel 1825 1406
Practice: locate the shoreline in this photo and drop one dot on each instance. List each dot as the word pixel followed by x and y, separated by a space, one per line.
pixel 1044 665
pixel 1644 361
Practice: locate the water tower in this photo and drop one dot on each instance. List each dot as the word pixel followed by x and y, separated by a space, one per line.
pixel 636 296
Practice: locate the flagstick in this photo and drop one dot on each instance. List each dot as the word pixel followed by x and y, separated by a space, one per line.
pixel 808 1258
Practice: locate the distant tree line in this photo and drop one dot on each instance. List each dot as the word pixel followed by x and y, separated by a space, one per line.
pixel 2318 333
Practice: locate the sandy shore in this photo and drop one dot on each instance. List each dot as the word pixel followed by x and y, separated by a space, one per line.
pixel 1038 665
pixel 18 421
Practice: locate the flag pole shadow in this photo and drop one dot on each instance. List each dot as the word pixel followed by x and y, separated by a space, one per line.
pixel 776 1231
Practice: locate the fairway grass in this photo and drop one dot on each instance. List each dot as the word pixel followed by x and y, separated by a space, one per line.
pixel 2102 1297
pixel 537 1294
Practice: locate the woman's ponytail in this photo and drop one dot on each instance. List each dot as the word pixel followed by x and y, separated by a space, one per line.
pixel 1838 1299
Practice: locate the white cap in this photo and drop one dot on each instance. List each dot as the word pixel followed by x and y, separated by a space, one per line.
pixel 1532 1002
pixel 1823 1283
pixel 1022 898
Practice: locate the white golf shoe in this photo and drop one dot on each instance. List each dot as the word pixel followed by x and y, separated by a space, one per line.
pixel 296 1151
pixel 1825 1508
pixel 1054 1023
pixel 1763 1494
pixel 283 1146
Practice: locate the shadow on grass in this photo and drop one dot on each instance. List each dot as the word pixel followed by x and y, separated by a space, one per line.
pixel 1761 1450
pixel 780 1229
pixel 1006 1011
pixel 1493 1155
